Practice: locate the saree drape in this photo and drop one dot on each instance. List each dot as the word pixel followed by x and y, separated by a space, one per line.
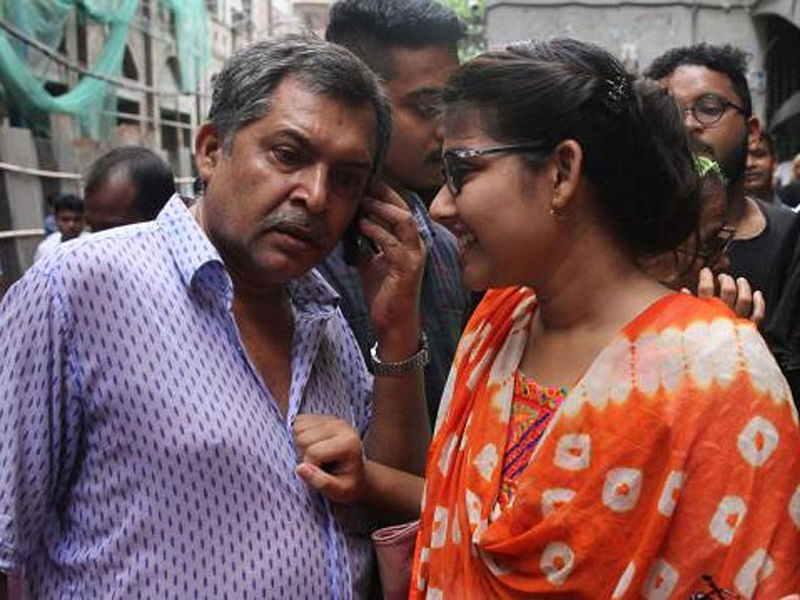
pixel 676 455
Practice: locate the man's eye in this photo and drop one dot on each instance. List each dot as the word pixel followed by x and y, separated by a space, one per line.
pixel 428 110
pixel 287 155
pixel 709 107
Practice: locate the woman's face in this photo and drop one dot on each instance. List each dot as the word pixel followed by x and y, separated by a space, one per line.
pixel 501 213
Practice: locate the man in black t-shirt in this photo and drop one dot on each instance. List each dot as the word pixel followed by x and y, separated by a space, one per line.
pixel 710 84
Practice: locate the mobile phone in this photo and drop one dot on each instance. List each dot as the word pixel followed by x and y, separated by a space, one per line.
pixel 355 243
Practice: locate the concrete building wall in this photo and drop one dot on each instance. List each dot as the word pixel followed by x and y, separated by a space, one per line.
pixel 637 31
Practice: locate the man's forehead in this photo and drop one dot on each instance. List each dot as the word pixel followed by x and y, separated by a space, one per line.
pixel 689 82
pixel 421 67
pixel 310 117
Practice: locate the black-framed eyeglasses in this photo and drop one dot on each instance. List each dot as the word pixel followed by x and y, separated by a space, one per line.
pixel 708 109
pixel 714 247
pixel 718 245
pixel 454 174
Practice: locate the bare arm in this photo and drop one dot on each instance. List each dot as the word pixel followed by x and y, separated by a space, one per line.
pixel 332 462
pixel 399 433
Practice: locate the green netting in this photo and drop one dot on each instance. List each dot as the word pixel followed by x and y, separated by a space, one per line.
pixel 43 21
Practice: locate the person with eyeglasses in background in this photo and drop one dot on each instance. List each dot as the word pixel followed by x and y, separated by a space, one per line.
pixel 710 84
pixel 600 436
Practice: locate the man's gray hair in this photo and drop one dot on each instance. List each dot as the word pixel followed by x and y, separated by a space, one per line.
pixel 243 88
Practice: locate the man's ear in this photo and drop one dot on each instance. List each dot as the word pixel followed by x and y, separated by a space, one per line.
pixel 208 149
pixel 568 161
pixel 753 130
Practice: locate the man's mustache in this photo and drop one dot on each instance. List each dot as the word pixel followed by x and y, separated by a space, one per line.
pixel 297 223
pixel 698 147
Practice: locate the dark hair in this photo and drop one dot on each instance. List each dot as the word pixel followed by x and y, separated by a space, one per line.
pixel 69 202
pixel 727 59
pixel 635 148
pixel 371 28
pixel 150 176
pixel 766 139
pixel 242 90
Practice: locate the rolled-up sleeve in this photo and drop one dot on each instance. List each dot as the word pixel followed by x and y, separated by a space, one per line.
pixel 39 416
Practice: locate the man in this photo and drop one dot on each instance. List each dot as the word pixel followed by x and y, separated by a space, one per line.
pixel 710 84
pixel 411 46
pixel 154 372
pixel 790 193
pixel 760 173
pixel 68 211
pixel 127 185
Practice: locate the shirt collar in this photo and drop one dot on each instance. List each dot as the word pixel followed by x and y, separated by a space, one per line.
pixel 420 213
pixel 190 247
pixel 200 265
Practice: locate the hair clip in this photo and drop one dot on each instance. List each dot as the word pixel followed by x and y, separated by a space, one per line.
pixel 617 93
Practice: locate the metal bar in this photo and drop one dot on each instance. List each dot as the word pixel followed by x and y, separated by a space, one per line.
pixel 62 175
pixel 18 233
pixel 39 172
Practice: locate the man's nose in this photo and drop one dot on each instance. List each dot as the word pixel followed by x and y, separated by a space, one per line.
pixel 690 121
pixel 312 189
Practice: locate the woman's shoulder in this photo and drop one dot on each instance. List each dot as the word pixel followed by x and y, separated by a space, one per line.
pixel 681 311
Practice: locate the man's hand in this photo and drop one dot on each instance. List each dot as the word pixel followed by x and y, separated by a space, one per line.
pixel 737 294
pixel 392 277
pixel 331 457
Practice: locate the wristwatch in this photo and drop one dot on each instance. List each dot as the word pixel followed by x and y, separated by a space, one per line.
pixel 417 360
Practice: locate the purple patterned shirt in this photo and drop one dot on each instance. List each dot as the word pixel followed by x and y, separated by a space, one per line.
pixel 141 454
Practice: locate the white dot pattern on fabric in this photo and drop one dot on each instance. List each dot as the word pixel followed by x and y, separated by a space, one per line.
pixel 622 488
pixel 794 507
pixel 699 359
pixel 661 580
pixel 573 452
pixel 554 499
pixel 661 359
pixel 156 464
pixel 456 528
pixel 757 441
pixel 439 533
pixel 755 570
pixel 726 364
pixel 727 518
pixel 474 508
pixel 671 492
pixel 764 373
pixel 434 594
pixel 447 454
pixel 671 367
pixel 624 582
pixel 557 562
pixel 486 461
pixel 648 361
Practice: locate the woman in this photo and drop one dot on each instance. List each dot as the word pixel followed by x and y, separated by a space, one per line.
pixel 601 437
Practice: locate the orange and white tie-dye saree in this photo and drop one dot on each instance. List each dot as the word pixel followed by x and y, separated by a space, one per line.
pixel 677 454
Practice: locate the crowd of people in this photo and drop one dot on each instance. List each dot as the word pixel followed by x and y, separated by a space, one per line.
pixel 537 310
